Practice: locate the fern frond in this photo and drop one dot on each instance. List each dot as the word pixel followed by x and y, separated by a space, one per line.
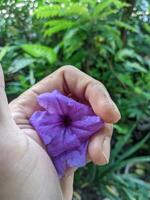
pixel 72 41
pixel 77 9
pixel 55 22
pixel 57 10
pixel 107 13
pixel 48 11
pixel 60 27
pixel 125 25
pixel 104 4
pixel 58 1
pixel 88 2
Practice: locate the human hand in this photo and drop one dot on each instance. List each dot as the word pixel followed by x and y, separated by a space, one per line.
pixel 26 171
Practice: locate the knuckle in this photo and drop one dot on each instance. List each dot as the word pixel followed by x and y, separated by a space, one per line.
pixel 95 84
pixel 65 68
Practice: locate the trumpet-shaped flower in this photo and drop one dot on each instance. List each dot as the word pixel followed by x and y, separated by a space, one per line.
pixel 65 126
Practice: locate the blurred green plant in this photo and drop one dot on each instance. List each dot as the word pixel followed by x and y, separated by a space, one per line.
pixel 109 40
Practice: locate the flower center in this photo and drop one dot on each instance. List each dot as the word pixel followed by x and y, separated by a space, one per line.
pixel 66 120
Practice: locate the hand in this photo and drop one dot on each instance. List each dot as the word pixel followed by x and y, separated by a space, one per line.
pixel 26 171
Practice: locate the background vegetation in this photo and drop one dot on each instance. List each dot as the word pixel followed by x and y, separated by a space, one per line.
pixel 108 39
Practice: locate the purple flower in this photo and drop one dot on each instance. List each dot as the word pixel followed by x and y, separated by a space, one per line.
pixel 65 126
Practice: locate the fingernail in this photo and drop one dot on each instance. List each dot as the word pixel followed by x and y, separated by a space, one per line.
pixel 116 110
pixel 114 106
pixel 106 149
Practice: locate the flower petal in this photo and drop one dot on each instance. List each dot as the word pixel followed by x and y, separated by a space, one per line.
pixel 66 141
pixel 55 102
pixel 75 158
pixel 85 127
pixel 47 126
pixel 60 164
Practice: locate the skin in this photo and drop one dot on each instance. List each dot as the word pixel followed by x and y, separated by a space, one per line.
pixel 26 171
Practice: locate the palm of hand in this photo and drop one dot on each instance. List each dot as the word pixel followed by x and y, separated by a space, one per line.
pixel 35 160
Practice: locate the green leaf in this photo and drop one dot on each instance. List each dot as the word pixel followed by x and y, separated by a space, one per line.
pixel 60 26
pixel 125 26
pixel 134 67
pixel 120 4
pixel 72 41
pixel 3 52
pixel 136 180
pixel 122 141
pixel 107 13
pixel 129 194
pixel 13 88
pixel 104 4
pixel 127 53
pixel 77 9
pixel 19 64
pixel 48 11
pixel 134 148
pixel 120 164
pixel 57 10
pixel 40 51
pixel 126 79
pixel 121 128
pixel 133 161
pixel 147 27
pixel 125 184
pixel 56 22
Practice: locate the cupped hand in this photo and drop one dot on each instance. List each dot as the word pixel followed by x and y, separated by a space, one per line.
pixel 26 171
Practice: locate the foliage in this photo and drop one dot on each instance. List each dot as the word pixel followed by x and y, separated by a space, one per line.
pixel 108 39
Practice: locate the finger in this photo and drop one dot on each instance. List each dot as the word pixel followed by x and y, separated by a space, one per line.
pixel 83 86
pixel 99 146
pixel 67 186
pixel 23 106
pixel 68 79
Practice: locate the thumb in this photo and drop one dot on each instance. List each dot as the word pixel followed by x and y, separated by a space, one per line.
pixel 8 128
pixel 2 84
pixel 5 115
pixel 12 143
